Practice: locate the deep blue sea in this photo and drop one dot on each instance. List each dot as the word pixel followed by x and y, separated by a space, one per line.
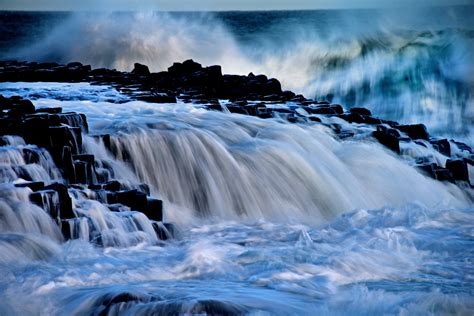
pixel 272 218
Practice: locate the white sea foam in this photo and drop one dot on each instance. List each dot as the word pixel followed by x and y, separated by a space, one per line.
pixel 274 218
pixel 416 73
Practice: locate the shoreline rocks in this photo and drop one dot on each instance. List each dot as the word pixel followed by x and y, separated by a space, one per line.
pixel 61 133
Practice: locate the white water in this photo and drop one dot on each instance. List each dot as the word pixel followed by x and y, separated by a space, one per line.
pixel 405 66
pixel 274 218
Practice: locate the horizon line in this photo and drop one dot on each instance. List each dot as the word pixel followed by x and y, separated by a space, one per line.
pixel 400 6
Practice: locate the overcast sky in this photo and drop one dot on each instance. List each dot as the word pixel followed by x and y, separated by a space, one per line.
pixel 190 5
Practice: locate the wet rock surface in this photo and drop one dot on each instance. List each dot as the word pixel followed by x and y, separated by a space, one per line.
pixel 256 95
pixel 60 134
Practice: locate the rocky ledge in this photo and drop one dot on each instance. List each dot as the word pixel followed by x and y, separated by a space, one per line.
pixel 61 133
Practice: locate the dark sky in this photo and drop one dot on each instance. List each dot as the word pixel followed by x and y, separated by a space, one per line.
pixel 210 5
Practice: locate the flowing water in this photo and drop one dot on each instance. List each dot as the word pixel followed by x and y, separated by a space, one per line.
pixel 271 217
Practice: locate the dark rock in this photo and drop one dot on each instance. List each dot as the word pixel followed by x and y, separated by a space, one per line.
pixel 186 67
pixel 31 155
pixel 273 86
pixel 442 145
pixel 95 187
pixel 271 97
pixel 49 110
pixel 214 107
pixel 337 108
pixel 113 185
pixel 74 65
pixel 67 228
pixel 16 106
pixel 154 210
pixel 34 186
pixel 145 188
pixel 265 115
pixel 140 70
pixel 315 119
pixel 361 111
pixel 458 169
pixel 215 74
pixel 72 119
pixel 84 171
pixel 298 98
pixel 443 174
pixel 237 109
pixel 61 136
pixel 288 95
pixel 46 200
pixel 415 131
pixel 164 231
pixel 191 66
pixel 157 98
pixel 428 169
pixel 387 139
pixel 65 203
pixel 132 198
pixel 282 110
pixel 84 157
pixel 252 109
pixel 67 163
pixel 322 110
pixel 358 118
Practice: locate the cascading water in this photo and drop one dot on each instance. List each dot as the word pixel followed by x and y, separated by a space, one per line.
pixel 22 221
pixel 269 170
pixel 239 189
pixel 272 217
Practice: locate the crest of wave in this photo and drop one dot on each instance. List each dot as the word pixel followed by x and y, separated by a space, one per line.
pixel 117 40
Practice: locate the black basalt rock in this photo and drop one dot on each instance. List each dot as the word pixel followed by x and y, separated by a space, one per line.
pixel 154 210
pixel 442 145
pixel 387 138
pixel 415 131
pixel 443 174
pixel 132 198
pixel 34 186
pixel 428 169
pixel 458 169
pixel 65 203
pixel 361 111
pixel 140 70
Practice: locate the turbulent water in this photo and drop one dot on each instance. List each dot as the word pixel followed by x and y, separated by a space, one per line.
pixel 272 217
pixel 407 66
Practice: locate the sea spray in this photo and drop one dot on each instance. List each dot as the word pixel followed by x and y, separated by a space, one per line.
pixel 292 254
pixel 418 72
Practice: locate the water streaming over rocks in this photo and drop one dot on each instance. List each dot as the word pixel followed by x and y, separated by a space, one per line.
pixel 189 191
pixel 271 217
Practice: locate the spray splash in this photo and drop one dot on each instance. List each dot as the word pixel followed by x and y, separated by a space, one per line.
pixel 417 74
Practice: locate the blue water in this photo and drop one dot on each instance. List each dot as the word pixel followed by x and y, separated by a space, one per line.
pixel 271 217
pixel 405 65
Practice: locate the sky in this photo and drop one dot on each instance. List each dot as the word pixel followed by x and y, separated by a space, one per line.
pixel 212 5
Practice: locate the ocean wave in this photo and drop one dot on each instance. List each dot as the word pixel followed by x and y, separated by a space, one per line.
pixel 408 75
